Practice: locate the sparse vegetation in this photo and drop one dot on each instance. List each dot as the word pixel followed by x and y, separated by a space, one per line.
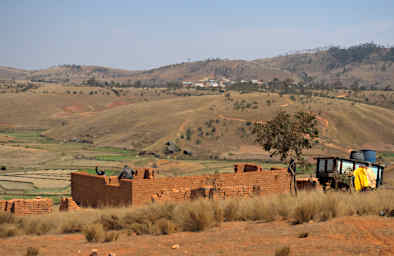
pixel 98 225
pixel 283 251
pixel 32 251
pixel 94 233
pixel 111 236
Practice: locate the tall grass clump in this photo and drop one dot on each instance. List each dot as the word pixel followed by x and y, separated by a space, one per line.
pixel 196 216
pixel 94 233
pixel 32 251
pixel 7 218
pixel 283 251
pixel 152 219
pixel 8 230
pixel 70 227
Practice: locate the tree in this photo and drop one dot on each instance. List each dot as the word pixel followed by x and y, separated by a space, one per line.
pixel 287 136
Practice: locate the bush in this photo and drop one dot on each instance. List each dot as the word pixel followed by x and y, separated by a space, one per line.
pixel 143 228
pixel 195 216
pixel 283 251
pixel 7 218
pixel 304 212
pixel 71 227
pixel 165 227
pixel 111 236
pixel 31 251
pixel 230 212
pixel 35 227
pixel 94 232
pixel 8 230
pixel 3 168
pixel 110 222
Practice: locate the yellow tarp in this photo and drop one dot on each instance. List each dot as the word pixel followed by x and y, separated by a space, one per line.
pixel 360 178
pixel 371 176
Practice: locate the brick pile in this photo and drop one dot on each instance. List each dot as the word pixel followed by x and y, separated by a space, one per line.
pixel 21 207
pixel 68 204
pixel 144 173
pixel 247 180
pixel 308 184
pixel 3 205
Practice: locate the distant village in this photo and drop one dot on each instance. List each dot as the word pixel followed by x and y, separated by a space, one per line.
pixel 222 82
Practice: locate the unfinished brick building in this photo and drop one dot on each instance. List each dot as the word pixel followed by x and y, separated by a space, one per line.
pixel 247 180
pixel 22 207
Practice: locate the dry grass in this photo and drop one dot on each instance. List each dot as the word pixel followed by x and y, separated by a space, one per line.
pixel 94 233
pixel 283 251
pixel 8 230
pixel 32 251
pixel 99 224
pixel 111 236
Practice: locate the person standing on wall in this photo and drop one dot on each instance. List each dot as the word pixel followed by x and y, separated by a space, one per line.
pixel 126 173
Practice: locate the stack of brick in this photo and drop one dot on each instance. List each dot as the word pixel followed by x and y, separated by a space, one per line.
pixel 3 205
pixel 144 173
pixel 22 207
pixel 68 204
pixel 247 167
pixel 308 184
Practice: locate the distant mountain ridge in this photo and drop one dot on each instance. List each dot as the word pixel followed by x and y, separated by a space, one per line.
pixel 368 65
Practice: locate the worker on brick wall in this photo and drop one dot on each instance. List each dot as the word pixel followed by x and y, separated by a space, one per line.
pixel 126 173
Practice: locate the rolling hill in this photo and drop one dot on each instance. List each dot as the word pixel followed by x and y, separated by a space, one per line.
pixel 366 65
pixel 216 125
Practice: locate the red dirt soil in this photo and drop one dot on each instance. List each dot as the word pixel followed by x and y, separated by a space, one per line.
pixel 340 236
pixel 118 103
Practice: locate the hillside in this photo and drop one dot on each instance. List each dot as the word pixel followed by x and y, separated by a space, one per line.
pixel 8 73
pixel 366 65
pixel 214 126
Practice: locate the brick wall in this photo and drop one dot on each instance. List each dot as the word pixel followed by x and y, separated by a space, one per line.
pixel 97 191
pixel 23 207
pixel 217 186
pixel 93 190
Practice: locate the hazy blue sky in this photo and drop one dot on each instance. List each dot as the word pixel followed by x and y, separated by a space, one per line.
pixel 144 34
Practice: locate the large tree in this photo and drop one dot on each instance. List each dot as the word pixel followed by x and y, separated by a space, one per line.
pixel 287 135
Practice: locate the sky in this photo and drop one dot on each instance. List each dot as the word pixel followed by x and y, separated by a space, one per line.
pixel 135 35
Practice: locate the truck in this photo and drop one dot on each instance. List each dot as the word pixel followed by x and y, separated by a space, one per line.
pixel 337 173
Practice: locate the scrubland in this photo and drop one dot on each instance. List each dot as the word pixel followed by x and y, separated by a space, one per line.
pixel 199 215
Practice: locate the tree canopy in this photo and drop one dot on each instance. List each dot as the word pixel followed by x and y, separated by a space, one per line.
pixel 287 135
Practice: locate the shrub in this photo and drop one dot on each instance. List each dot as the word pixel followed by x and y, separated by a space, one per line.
pixel 31 251
pixel 94 232
pixel 35 227
pixel 165 226
pixel 72 226
pixel 110 222
pixel 142 228
pixel 8 230
pixel 195 216
pixel 218 211
pixel 283 251
pixel 303 235
pixel 7 218
pixel 230 212
pixel 111 236
pixel 258 209
pixel 304 213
